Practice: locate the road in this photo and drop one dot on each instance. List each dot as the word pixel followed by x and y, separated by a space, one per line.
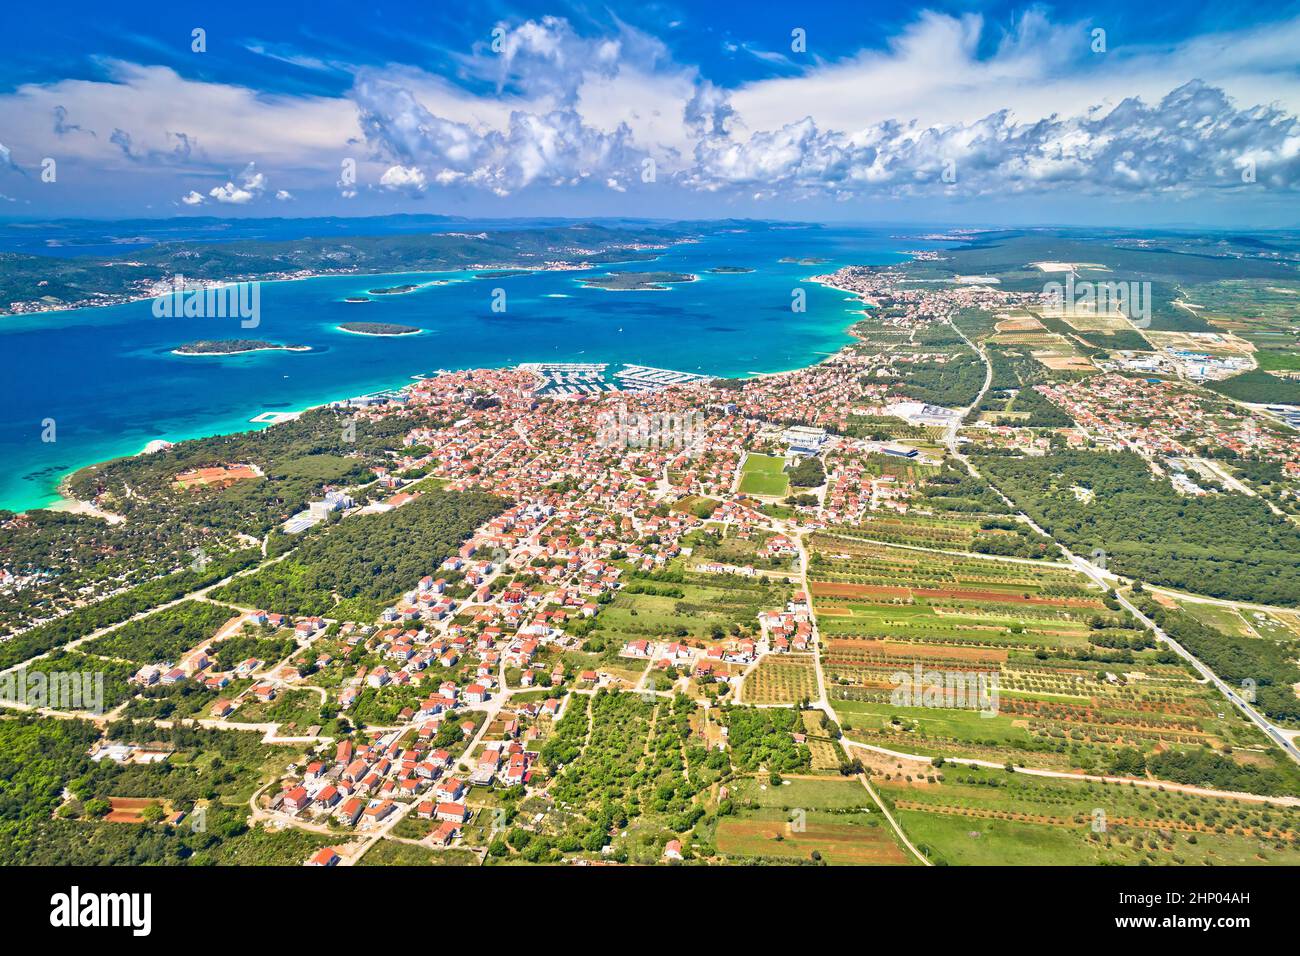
pixel 1103 579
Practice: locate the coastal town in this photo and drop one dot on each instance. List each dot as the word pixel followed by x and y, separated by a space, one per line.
pixel 649 441
pixel 730 571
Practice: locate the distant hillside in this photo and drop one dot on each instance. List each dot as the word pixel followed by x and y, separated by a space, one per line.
pixel 31 283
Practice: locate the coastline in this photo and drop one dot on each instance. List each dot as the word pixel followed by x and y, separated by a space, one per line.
pixel 243 423
pixel 277 277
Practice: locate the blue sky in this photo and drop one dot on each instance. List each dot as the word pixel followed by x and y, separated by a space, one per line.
pixel 947 112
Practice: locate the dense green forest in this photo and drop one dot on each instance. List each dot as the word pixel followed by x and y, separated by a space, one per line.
pixel 373 557
pixel 1011 390
pixel 807 473
pixel 1259 388
pixel 1203 767
pixel 952 383
pixel 324 446
pixel 166 527
pixel 1228 546
pixel 957 490
pixel 119 608
pixel 163 635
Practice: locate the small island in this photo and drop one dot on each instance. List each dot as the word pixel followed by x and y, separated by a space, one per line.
pixel 378 328
pixel 503 273
pixel 730 270
pixel 357 298
pixel 806 261
pixel 394 290
pixel 234 347
pixel 637 281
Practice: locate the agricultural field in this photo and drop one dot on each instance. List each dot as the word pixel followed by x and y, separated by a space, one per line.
pixel 780 679
pixel 1079 686
pixel 837 839
pixel 685 605
pixel 948 532
pixel 972 816
pixel 764 475
pixel 832 821
pixel 618 762
pixel 1055 351
pixel 1263 312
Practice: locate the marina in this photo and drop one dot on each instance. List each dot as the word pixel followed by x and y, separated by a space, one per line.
pixel 571 379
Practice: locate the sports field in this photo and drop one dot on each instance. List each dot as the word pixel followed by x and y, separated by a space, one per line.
pixel 764 475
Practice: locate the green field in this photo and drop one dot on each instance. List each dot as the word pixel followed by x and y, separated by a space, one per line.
pixel 764 475
pixel 974 816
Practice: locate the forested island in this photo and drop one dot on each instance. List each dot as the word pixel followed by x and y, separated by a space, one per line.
pixel 395 290
pixel 730 270
pixel 234 347
pixel 378 328
pixel 637 281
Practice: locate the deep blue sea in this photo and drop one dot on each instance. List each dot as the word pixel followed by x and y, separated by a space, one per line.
pixel 109 380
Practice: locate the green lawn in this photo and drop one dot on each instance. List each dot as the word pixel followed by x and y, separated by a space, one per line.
pixel 764 475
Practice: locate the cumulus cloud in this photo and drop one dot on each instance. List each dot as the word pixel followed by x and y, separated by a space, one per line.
pixel 251 185
pixel 1195 137
pixel 403 177
pixel 547 57
pixel 554 148
pixel 1014 107
pixel 708 111
pixel 150 104
pixel 192 198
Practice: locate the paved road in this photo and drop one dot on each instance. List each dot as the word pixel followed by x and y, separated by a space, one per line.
pixel 1103 580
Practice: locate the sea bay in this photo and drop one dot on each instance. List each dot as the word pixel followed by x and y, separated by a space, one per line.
pixel 108 380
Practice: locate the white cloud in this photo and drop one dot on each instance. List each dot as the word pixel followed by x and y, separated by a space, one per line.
pixel 192 198
pixel 1193 138
pixel 554 147
pixel 252 184
pixel 403 177
pixel 1021 108
pixel 168 119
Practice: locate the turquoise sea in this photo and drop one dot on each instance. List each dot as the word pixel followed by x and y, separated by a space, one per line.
pixel 109 381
